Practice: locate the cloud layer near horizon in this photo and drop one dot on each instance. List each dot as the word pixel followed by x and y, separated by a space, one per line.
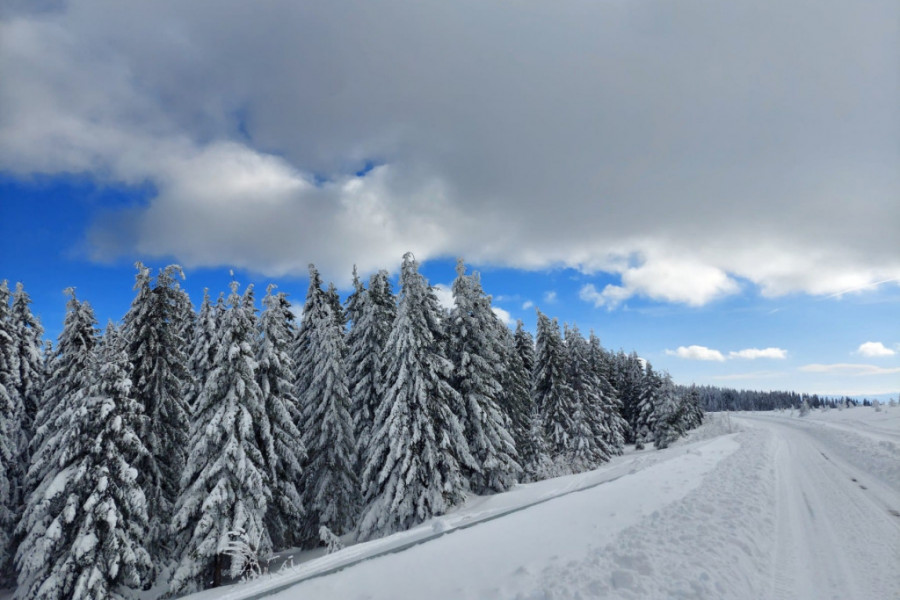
pixel 687 149
pixel 703 353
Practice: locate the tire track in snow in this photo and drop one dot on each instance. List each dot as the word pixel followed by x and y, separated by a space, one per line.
pixel 835 536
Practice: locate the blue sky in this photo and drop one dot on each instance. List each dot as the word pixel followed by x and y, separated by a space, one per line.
pixel 714 187
pixel 46 223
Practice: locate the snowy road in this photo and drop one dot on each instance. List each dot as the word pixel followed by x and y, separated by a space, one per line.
pixel 837 524
pixel 784 508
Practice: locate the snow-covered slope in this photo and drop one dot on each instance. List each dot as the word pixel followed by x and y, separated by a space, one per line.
pixel 783 508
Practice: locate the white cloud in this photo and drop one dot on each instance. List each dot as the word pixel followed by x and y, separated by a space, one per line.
pixel 849 369
pixel 444 295
pixel 236 130
pixel 754 353
pixel 527 305
pixel 667 279
pixel 704 353
pixel 874 350
pixel 697 353
pixel 550 297
pixel 503 315
pixel 589 293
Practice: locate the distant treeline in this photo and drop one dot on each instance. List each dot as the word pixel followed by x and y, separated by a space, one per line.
pixel 718 399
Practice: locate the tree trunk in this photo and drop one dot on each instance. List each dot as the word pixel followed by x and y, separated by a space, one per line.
pixel 220 566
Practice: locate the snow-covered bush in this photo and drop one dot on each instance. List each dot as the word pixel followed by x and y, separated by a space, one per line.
pixel 332 542
pixel 243 551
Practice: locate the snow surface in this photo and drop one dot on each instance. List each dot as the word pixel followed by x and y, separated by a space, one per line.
pixel 751 505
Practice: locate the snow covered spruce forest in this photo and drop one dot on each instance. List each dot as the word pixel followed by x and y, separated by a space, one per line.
pixel 176 450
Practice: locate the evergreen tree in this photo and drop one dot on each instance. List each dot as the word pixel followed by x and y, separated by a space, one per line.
pixel 646 415
pixel 477 375
pixel 413 469
pixel 225 487
pixel 515 399
pixel 551 390
pixel 203 348
pixel 669 411
pixel 601 363
pixel 85 524
pixel 588 437
pixel 160 377
pixel 301 352
pixel 68 373
pixel 337 311
pixel 285 458
pixel 375 311
pixel 525 347
pixel 534 449
pixel 629 384
pixel 11 435
pixel 30 379
pixel 353 305
pixel 8 504
pixel 330 489
pixel 185 323
pixel 693 411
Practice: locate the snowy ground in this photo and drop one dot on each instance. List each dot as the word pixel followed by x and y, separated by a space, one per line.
pixel 751 505
pixel 782 507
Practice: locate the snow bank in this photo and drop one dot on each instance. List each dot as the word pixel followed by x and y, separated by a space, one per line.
pixel 472 552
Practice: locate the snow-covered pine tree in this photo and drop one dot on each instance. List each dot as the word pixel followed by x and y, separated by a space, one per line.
pixel 536 454
pixel 525 346
pixel 551 391
pixel 330 485
pixel 160 377
pixel 85 523
pixel 8 505
pixel 645 411
pixel 275 374
pixel 68 372
pixel 515 398
pixel 629 382
pixel 225 486
pixel 12 435
pixel 30 358
pixel 185 323
pixel 203 348
pixel 183 315
pixel 474 350
pixel 693 410
pixel 375 310
pixel 588 437
pixel 337 311
pixel 601 363
pixel 300 351
pixel 670 414
pixel 413 470
pixel 356 299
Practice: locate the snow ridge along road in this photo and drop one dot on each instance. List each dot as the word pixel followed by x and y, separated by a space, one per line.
pixel 785 508
pixel 698 457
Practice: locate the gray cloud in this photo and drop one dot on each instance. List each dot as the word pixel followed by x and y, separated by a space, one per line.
pixel 685 149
